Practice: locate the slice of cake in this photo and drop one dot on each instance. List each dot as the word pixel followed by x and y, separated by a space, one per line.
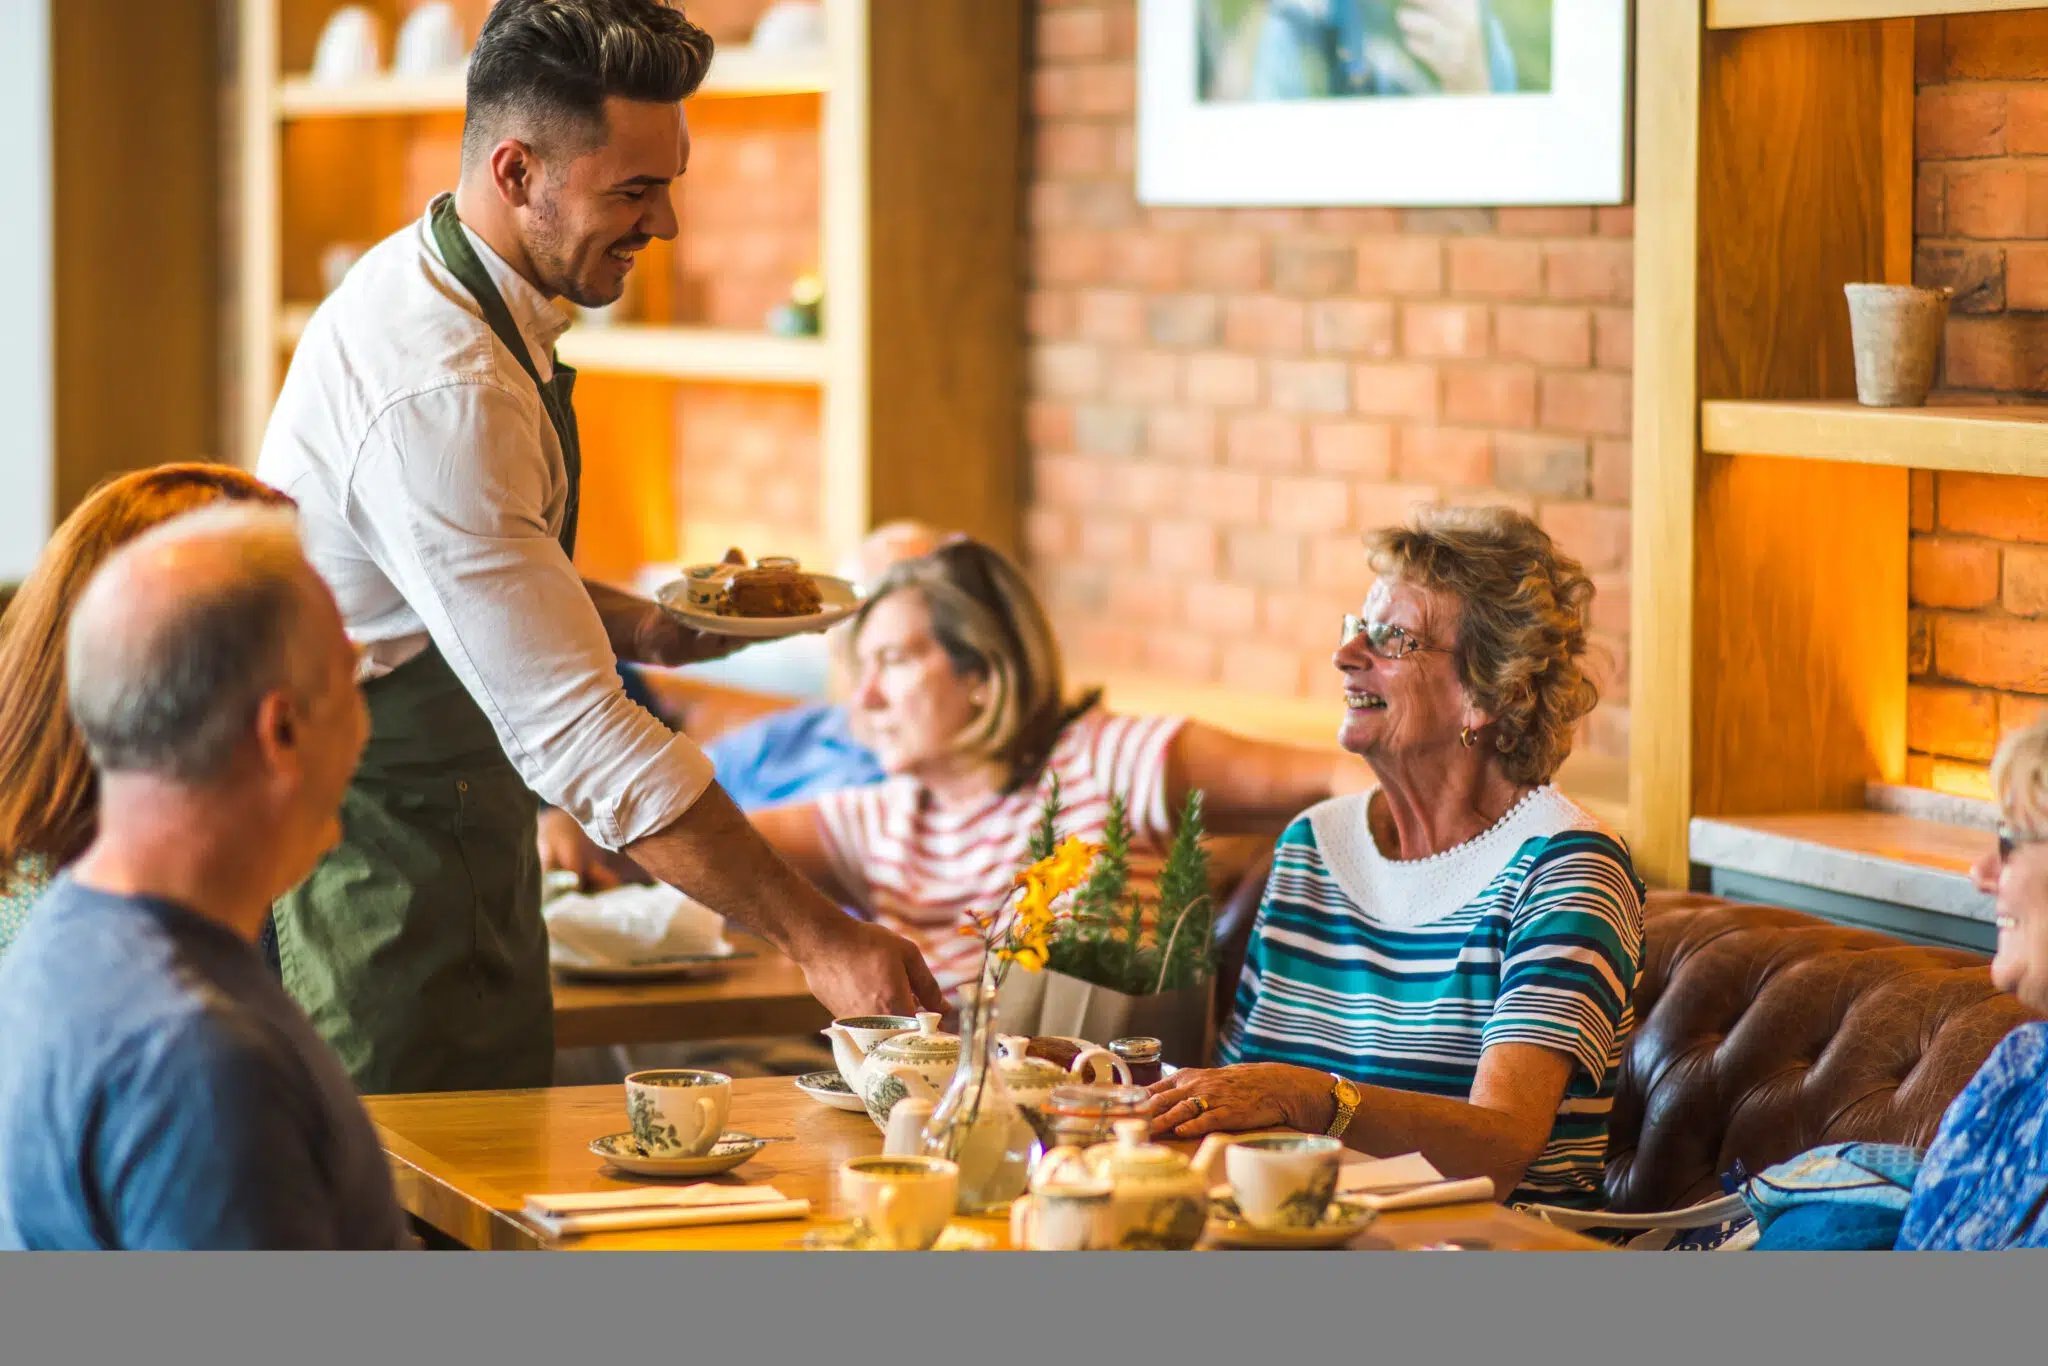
pixel 772 592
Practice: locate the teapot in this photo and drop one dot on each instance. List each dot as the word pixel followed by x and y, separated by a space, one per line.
pixel 1155 1199
pixel 1067 1209
pixel 1032 1080
pixel 883 1072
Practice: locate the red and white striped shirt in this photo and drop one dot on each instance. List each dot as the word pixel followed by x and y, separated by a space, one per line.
pixel 920 868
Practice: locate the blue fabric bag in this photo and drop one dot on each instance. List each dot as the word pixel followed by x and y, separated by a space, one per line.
pixel 1841 1196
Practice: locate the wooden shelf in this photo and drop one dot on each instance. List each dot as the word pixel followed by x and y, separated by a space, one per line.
pixel 1760 13
pixel 1875 855
pixel 736 74
pixel 682 353
pixel 696 353
pixel 1987 438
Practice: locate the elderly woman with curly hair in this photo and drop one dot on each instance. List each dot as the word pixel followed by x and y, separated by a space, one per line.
pixel 1445 963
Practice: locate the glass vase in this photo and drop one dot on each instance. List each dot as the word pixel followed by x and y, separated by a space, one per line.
pixel 977 1124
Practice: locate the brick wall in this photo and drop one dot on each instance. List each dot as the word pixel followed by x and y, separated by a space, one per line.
pixel 1222 400
pixel 1979 559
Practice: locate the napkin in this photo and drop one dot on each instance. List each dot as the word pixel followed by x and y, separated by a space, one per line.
pixel 560 1216
pixel 629 925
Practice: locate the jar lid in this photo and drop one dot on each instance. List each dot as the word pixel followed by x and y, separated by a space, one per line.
pixel 1138 1048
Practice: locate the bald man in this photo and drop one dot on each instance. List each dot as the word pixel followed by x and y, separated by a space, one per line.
pixel 158 1089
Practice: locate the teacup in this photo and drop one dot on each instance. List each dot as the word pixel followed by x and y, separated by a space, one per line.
pixel 347 49
pixel 903 1202
pixel 678 1112
pixel 430 40
pixel 869 1030
pixel 1283 1180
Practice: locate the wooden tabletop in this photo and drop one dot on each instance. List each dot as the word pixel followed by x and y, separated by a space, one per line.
pixel 759 995
pixel 466 1161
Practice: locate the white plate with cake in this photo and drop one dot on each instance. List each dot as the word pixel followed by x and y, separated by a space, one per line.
pixel 767 599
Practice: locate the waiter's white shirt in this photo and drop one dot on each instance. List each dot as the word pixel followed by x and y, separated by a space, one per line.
pixel 431 492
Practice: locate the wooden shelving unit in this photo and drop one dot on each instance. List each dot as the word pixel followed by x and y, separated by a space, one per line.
pixel 1761 13
pixel 1769 635
pixel 918 375
pixel 738 73
pixel 1985 438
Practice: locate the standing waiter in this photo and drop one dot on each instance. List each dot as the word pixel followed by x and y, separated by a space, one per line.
pixel 427 434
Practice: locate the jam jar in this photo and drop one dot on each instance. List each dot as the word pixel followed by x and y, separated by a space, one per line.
pixel 1081 1116
pixel 1141 1054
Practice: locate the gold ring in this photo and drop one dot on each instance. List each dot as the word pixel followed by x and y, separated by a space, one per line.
pixel 1201 1105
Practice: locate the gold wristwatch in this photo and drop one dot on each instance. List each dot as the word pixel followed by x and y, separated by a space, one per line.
pixel 1347 1097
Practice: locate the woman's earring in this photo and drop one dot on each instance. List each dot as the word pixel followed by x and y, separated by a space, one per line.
pixel 1468 737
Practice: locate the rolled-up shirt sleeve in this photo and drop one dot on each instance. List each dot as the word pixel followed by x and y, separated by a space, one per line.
pixel 450 494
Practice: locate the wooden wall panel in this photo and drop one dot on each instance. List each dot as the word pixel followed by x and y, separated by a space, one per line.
pixel 137 186
pixel 1793 180
pixel 1799 657
pixel 1666 434
pixel 945 99
pixel 1802 634
pixel 628 515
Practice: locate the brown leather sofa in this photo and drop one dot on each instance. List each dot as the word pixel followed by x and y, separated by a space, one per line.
pixel 1761 1033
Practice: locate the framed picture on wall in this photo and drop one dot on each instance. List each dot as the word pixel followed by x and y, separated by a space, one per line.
pixel 1408 102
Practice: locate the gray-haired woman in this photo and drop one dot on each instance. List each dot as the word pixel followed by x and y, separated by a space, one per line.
pixel 1445 963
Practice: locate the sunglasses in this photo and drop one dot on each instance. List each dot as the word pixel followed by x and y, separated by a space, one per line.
pixel 1384 639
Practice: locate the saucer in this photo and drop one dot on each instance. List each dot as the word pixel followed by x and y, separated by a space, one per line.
pixel 829 1088
pixel 624 1152
pixel 850 1237
pixel 1343 1220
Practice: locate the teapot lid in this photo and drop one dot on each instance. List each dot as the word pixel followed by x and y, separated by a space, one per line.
pixel 1133 1157
pixel 928 1044
pixel 1017 1059
pixel 1065 1171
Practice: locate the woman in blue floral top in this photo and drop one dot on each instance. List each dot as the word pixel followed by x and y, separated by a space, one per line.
pixel 1984 1183
pixel 49 802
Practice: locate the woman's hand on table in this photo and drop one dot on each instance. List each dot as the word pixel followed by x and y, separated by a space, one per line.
pixel 1248 1096
pixel 565 848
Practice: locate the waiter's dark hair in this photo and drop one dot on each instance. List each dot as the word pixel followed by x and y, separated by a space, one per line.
pixel 548 66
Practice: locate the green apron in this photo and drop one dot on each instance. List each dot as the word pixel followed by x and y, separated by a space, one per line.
pixel 417 946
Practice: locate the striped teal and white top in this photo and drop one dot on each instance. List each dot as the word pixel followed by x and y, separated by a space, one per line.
pixel 1401 973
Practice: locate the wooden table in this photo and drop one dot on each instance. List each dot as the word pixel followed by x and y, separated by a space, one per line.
pixel 760 995
pixel 466 1161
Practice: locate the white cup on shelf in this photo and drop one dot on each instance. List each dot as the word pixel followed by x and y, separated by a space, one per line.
pixel 790 28
pixel 429 42
pixel 348 47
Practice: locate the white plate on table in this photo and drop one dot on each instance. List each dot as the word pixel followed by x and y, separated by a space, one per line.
pixel 830 1089
pixel 841 600
pixel 676 968
pixel 624 1152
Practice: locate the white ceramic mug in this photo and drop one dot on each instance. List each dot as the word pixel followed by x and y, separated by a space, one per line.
pixel 429 41
pixel 904 1202
pixel 678 1112
pixel 347 50
pixel 1283 1180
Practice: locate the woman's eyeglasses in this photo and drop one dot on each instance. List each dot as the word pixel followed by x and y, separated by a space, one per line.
pixel 1384 639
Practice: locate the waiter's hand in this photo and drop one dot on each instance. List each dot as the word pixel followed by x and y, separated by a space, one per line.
pixel 661 641
pixel 863 969
pixel 565 848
